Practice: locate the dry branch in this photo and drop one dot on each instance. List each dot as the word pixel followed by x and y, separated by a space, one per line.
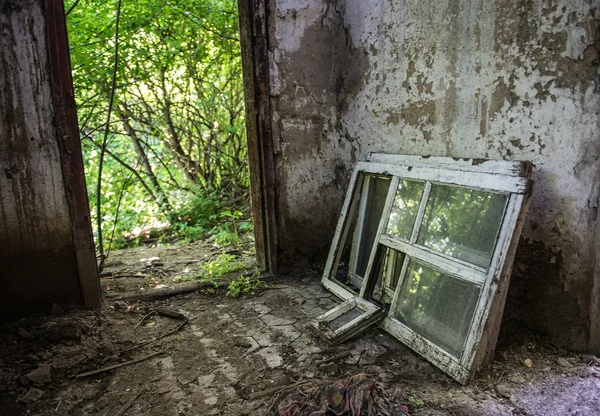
pixel 276 390
pixel 335 357
pixel 154 294
pixel 115 366
pixel 128 404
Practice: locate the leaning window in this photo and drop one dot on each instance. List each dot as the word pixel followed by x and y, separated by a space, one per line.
pixel 425 246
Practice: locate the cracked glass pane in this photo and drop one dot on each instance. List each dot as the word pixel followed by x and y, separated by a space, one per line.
pixel 437 306
pixel 462 223
pixel 404 210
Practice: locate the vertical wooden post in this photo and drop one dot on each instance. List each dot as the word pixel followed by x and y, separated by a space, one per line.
pixel 255 65
pixel 71 156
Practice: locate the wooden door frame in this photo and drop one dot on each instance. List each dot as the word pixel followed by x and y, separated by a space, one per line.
pixel 65 115
pixel 253 17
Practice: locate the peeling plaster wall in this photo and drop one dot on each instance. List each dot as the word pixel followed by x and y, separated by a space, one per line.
pixel 37 257
pixel 503 79
pixel 311 161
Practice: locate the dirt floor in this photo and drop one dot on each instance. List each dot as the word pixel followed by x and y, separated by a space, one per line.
pixel 220 355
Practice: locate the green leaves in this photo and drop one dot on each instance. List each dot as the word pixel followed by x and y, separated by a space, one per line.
pixel 179 89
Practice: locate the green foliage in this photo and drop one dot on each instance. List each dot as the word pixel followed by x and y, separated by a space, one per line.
pixel 176 156
pixel 214 270
pixel 243 285
pixel 415 401
pixel 222 266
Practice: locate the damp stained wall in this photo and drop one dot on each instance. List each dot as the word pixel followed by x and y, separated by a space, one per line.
pixel 497 79
pixel 38 264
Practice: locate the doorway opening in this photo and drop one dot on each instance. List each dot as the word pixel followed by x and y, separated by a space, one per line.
pixel 163 127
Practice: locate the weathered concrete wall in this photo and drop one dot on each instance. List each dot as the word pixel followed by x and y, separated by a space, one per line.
pixel 498 79
pixel 37 258
pixel 311 164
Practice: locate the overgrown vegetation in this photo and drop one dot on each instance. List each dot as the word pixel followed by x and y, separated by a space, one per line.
pixel 214 270
pixel 160 103
pixel 244 285
pixel 218 271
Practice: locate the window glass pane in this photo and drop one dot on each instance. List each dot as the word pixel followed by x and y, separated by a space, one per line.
pixel 345 318
pixel 387 269
pixel 342 270
pixel 376 196
pixel 462 223
pixel 404 210
pixel 437 307
pixel 378 190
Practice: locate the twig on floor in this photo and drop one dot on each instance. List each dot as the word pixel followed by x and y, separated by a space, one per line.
pixel 335 357
pixel 117 276
pixel 177 329
pixel 155 294
pixel 115 366
pixel 277 390
pixel 275 400
pixel 143 319
pixel 361 354
pixel 493 384
pixel 129 403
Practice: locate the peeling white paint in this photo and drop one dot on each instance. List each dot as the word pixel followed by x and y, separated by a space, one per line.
pixel 499 79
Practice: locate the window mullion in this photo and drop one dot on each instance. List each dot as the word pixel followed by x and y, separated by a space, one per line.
pixel 420 213
pixel 360 222
pixel 385 215
pixel 450 267
pixel 399 284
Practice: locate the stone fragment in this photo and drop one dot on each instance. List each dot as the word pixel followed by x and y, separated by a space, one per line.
pixel 41 375
pixel 528 363
pixel 162 390
pixel 120 305
pixel 273 320
pixel 329 367
pixel 212 400
pixel 289 331
pixel 271 356
pixel 188 377
pixel 263 339
pixel 563 362
pixel 305 345
pixel 242 342
pixel 304 359
pixel 32 395
pixel 261 308
pixel 205 381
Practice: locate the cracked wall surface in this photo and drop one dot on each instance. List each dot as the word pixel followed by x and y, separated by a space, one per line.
pixel 503 79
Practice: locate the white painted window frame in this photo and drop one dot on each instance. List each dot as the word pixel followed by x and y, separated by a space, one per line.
pixel 370 314
pixel 504 177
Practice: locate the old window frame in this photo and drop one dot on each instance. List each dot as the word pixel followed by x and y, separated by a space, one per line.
pixel 504 177
pixel 370 313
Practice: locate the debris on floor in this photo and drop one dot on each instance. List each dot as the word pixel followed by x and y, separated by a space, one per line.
pixel 357 395
pixel 234 354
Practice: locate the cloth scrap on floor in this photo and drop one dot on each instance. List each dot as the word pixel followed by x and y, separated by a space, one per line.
pixel 357 395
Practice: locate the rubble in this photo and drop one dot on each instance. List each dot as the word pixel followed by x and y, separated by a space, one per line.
pixel 41 375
